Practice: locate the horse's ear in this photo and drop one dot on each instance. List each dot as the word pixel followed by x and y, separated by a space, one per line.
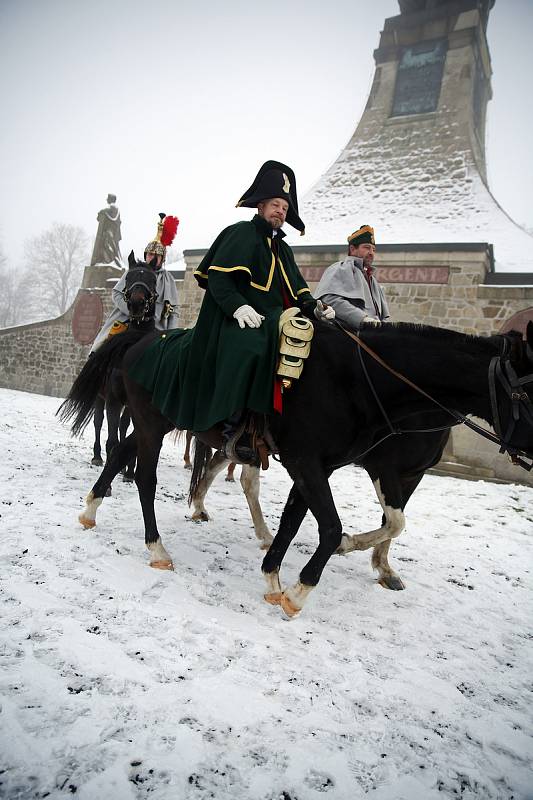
pixel 132 261
pixel 529 340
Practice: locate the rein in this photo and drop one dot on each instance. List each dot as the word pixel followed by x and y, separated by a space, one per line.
pixel 506 376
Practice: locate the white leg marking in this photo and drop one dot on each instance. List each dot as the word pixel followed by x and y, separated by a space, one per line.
pixel 293 599
pixel 250 487
pixel 159 557
pixel 394 525
pixel 273 593
pixel 88 515
pixel 380 562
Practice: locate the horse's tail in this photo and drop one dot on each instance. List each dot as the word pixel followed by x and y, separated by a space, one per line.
pixel 202 457
pixel 79 403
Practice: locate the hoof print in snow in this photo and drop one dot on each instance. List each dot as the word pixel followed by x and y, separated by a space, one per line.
pixel 146 779
pixel 319 781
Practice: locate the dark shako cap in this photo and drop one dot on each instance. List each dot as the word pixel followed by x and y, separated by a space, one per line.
pixel 362 235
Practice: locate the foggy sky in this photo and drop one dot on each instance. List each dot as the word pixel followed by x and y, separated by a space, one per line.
pixel 173 107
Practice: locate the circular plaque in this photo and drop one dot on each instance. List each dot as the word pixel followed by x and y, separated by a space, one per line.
pixel 518 322
pixel 87 318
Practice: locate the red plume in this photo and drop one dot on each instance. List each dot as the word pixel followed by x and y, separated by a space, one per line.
pixel 170 226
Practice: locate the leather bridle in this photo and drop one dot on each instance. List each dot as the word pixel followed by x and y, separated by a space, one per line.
pixel 149 301
pixel 501 372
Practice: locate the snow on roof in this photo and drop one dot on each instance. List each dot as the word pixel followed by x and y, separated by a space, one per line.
pixel 412 197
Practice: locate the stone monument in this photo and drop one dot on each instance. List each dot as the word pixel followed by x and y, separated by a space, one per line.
pixel 107 243
pixel 415 166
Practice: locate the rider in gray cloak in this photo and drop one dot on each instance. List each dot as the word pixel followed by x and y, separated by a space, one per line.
pixel 166 306
pixel 350 286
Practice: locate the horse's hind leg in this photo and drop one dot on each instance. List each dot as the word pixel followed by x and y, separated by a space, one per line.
pixel 230 476
pixel 214 466
pixel 250 487
pixel 187 454
pixel 98 422
pixel 115 462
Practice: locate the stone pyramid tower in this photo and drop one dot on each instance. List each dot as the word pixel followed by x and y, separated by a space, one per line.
pixel 415 167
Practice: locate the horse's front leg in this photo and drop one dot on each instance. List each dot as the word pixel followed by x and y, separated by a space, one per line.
pixel 146 480
pixel 128 474
pixel 390 496
pixel 117 459
pixel 289 524
pixel 315 494
pixel 250 487
pixel 215 465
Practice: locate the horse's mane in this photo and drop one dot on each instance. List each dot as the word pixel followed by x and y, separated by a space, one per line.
pixel 429 332
pixel 417 334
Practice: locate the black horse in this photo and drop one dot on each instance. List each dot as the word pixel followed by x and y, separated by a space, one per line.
pixel 140 297
pixel 111 405
pixel 348 408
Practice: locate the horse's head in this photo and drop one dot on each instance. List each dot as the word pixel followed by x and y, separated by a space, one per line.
pixel 511 391
pixel 139 293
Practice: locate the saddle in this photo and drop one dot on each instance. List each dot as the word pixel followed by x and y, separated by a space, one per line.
pixel 250 441
pixel 247 438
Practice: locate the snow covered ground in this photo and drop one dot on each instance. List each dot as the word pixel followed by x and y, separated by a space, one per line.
pixel 122 682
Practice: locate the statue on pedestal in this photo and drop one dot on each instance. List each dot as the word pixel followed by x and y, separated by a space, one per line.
pixel 106 246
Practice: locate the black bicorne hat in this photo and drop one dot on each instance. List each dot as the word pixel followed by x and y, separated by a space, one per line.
pixel 275 179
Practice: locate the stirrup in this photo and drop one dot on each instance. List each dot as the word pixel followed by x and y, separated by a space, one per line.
pixel 240 454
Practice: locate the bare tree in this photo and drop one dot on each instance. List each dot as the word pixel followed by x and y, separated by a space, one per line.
pixel 9 310
pixel 55 261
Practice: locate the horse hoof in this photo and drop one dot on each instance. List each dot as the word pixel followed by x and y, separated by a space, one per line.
pixel 200 516
pixel 162 565
pixel 392 582
pixel 97 462
pixel 230 479
pixel 265 545
pixel 274 598
pixel 187 466
pixel 86 522
pixel 127 479
pixel 288 606
pixel 108 492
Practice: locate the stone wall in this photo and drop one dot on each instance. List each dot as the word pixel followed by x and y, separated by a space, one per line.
pixel 44 357
pixel 442 285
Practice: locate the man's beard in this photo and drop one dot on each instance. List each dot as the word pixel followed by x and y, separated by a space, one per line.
pixel 275 223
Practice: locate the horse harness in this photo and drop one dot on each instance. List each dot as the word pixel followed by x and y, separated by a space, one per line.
pixel 149 300
pixel 500 372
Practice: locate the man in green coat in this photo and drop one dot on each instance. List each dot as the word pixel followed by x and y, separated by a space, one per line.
pixel 226 364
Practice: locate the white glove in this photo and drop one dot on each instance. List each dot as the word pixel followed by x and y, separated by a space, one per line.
pixel 371 321
pixel 323 312
pixel 246 315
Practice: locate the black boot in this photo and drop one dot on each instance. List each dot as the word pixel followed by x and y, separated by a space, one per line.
pixel 238 442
